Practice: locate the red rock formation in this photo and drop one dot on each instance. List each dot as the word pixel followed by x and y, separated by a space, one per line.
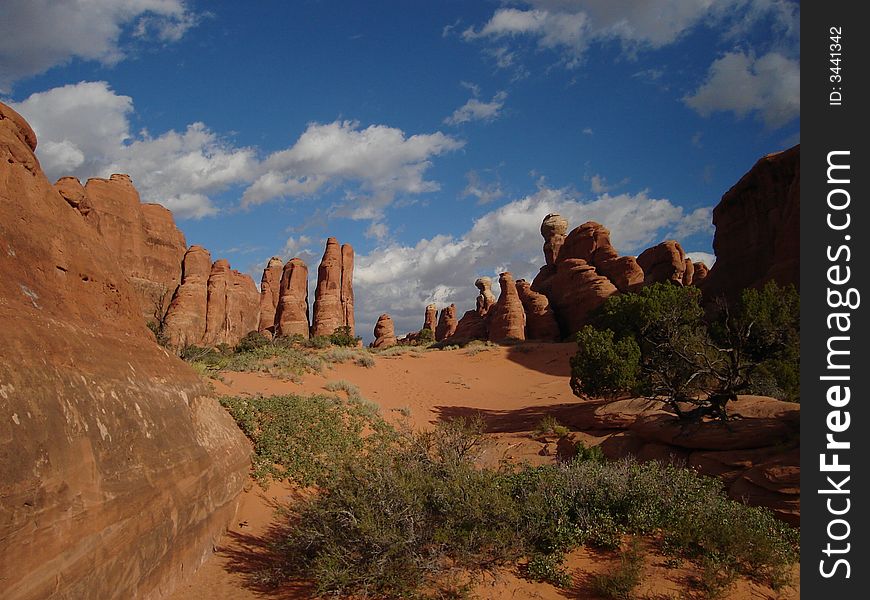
pixel 576 290
pixel 333 297
pixel 115 467
pixel 385 333
pixel 663 262
pixel 486 299
pixel 553 228
pixel 74 193
pixel 446 323
pixel 430 321
pixel 233 304
pixel 540 321
pixel 699 273
pixel 142 237
pixel 757 223
pixel 689 272
pixel 507 319
pixel 347 287
pixel 471 327
pixel 185 319
pixel 291 316
pixel 270 292
pixel 591 242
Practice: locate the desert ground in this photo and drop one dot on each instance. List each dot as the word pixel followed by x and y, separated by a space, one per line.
pixel 512 388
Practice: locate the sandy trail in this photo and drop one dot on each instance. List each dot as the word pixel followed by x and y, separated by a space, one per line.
pixel 513 388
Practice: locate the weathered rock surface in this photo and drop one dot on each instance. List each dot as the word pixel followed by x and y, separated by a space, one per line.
pixel 185 319
pixel 233 305
pixel 270 293
pixel 699 273
pixel 665 262
pixel 757 224
pixel 540 321
pixel 774 484
pixel 471 327
pixel 385 332
pixel 142 237
pixel 575 291
pixel 689 272
pixel 117 473
pixel 591 242
pixel 333 297
pixel 430 320
pixel 291 315
pixel 553 228
pixel 507 319
pixel 74 193
pixel 446 323
pixel 347 287
pixel 485 299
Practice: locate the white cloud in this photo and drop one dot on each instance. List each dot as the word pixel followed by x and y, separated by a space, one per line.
pixel 84 130
pixel 382 161
pixel 599 184
pixel 475 110
pixel 704 257
pixel 402 280
pixel 588 131
pixel 483 191
pixel 741 83
pixel 36 35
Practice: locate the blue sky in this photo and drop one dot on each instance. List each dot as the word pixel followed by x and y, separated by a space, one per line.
pixel 433 136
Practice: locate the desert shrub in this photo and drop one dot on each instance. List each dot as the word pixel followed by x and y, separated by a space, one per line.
pixel 549 426
pixel 425 336
pixel 252 341
pixel 549 568
pixel 344 386
pixel 303 439
pixel 318 342
pixel 400 350
pixel 359 356
pixel 584 452
pixel 277 360
pixel 620 582
pixel 604 366
pixel 343 336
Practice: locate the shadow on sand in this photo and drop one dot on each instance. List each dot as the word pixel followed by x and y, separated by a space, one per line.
pixel 576 415
pixel 549 358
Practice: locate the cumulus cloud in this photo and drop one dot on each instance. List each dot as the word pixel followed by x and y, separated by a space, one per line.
pixel 477 110
pixel 380 160
pixel 84 130
pixel 402 279
pixel 768 86
pixel 704 257
pixel 485 192
pixel 36 35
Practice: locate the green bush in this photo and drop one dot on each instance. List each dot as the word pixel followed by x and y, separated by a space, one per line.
pixel 602 366
pixel 343 336
pixel 253 340
pixel 425 336
pixel 620 582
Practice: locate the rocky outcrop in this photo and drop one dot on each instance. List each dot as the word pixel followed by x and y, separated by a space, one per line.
pixel 485 299
pixel 291 315
pixel 471 327
pixel 270 293
pixel 333 297
pixel 540 321
pixel 233 305
pixel 430 320
pixel 699 273
pixel 185 319
pixel 446 323
pixel 575 290
pixel 553 228
pixel 507 319
pixel 591 242
pixel 347 287
pixel 71 189
pixel 689 272
pixel 757 224
pixel 142 237
pixel 385 333
pixel 117 472
pixel 665 262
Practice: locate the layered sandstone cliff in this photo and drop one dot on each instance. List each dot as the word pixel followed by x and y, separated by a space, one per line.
pixel 117 471
pixel 333 297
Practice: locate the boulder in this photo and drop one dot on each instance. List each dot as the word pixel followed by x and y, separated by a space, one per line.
pixel 591 242
pixel 736 434
pixel 665 262
pixel 270 293
pixel 486 299
pixel 71 189
pixel 507 319
pixel 757 224
pixel 185 320
pixel 699 274
pixel 540 321
pixel 385 333
pixel 291 315
pixel 621 414
pixel 471 327
pixel 446 323
pixel 774 484
pixel 118 473
pixel 689 272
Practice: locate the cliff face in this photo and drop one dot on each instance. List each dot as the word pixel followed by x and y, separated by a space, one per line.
pixel 757 223
pixel 117 472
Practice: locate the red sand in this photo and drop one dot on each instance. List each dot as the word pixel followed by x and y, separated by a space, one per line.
pixel 516 386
